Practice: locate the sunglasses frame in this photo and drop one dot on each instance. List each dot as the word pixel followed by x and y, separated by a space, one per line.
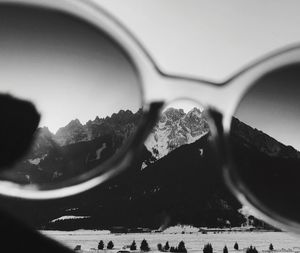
pixel 159 89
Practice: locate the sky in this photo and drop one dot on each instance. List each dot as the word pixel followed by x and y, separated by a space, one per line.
pixel 272 105
pixel 69 71
pixel 213 39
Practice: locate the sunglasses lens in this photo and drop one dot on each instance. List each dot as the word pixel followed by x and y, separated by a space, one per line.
pixel 265 140
pixel 81 82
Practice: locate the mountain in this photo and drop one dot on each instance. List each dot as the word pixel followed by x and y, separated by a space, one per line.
pixel 73 149
pixel 185 186
pixel 76 147
pixel 174 129
pixel 123 123
pixel 261 141
pixel 270 168
pixel 71 133
pixel 175 180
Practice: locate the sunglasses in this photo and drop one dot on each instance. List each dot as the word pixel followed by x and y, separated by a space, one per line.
pixel 100 94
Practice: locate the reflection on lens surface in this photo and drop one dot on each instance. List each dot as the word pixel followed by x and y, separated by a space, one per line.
pixel 81 82
pixel 265 139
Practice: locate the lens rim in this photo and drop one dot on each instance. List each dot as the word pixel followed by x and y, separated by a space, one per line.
pixel 93 15
pixel 248 77
pixel 224 97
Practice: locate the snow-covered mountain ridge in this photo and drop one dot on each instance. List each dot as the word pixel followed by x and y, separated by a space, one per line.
pixel 174 129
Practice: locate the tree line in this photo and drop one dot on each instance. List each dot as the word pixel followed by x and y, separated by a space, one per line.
pixel 144 246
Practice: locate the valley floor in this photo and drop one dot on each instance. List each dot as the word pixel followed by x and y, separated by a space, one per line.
pixel 88 239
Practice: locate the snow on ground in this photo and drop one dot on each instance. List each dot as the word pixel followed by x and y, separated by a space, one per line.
pixel 180 229
pixel 283 242
pixel 70 217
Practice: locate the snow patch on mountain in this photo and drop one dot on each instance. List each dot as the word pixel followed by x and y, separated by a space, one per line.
pixel 144 165
pixel 100 150
pixel 70 217
pixel 174 129
pixel 36 161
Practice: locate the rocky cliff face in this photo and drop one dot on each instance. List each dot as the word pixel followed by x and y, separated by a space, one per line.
pixel 262 142
pixel 71 133
pixel 123 123
pixel 51 157
pixel 174 129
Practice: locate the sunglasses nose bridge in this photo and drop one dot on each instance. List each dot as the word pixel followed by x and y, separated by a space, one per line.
pixel 170 88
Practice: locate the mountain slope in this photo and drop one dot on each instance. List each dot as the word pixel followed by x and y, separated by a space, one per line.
pixel 181 182
pixel 174 129
pixel 53 157
pixel 269 168
pixel 182 187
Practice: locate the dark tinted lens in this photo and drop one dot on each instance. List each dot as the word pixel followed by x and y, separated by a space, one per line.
pixel 82 83
pixel 265 139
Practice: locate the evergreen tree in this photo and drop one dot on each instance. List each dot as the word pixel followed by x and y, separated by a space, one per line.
pixel 167 246
pixel 271 247
pixel 251 250
pixel 208 248
pixel 225 250
pixel 133 246
pixel 77 248
pixel 110 245
pixel 160 247
pixel 173 249
pixel 181 247
pixel 236 246
pixel 101 245
pixel 144 246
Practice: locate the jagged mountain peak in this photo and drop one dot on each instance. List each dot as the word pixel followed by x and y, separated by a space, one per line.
pixel 44 131
pixel 172 114
pixel 73 132
pixel 122 117
pixel 167 136
pixel 194 116
pixel 122 123
pixel 98 120
pixel 195 112
pixel 174 129
pixel 262 141
pixel 122 113
pixel 74 122
pixel 125 112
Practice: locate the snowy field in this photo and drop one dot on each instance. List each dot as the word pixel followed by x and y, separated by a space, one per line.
pixel 283 242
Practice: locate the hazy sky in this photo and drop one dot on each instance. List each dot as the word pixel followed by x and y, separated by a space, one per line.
pixel 272 105
pixel 67 69
pixel 210 39
pixel 214 39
